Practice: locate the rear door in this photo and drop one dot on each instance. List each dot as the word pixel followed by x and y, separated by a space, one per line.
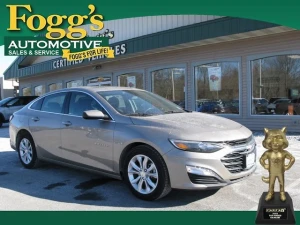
pixel 45 124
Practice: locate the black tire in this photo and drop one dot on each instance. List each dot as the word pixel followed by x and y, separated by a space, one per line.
pixel 163 182
pixel 34 162
pixel 1 123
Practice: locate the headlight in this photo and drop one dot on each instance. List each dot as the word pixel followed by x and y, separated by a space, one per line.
pixel 195 146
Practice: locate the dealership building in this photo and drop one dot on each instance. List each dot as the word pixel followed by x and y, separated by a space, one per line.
pixel 231 67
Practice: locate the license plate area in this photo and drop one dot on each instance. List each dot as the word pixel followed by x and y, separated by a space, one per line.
pixel 249 160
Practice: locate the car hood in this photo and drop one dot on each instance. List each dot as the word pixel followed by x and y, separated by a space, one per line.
pixel 195 126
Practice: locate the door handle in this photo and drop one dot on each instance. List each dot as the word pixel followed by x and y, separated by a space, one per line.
pixel 67 123
pixel 35 119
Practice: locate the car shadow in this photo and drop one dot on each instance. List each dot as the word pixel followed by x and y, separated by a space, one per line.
pixel 61 184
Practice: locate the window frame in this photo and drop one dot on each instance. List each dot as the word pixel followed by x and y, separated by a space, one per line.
pixel 35 101
pixel 184 66
pixel 67 105
pixel 86 79
pixel 120 73
pixel 44 97
pixel 74 79
pixel 218 60
pixel 24 87
pixel 38 85
pixel 51 83
pixel 251 58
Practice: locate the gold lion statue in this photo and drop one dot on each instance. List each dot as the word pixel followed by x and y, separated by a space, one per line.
pixel 275 142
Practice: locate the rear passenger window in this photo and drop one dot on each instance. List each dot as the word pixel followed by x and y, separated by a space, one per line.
pixel 37 105
pixel 54 103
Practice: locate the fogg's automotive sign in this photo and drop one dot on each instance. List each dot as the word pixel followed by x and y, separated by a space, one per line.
pixel 60 63
pixel 57 40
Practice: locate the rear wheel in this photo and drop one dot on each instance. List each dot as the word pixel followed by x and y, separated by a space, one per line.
pixel 27 151
pixel 146 173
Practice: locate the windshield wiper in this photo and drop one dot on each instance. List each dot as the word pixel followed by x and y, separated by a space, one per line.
pixel 172 111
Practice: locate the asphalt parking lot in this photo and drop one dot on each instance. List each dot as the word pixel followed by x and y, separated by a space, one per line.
pixel 52 187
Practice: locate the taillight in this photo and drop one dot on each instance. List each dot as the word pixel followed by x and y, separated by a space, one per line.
pixel 11 117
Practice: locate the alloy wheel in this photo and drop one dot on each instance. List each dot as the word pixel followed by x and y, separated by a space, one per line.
pixel 142 174
pixel 26 152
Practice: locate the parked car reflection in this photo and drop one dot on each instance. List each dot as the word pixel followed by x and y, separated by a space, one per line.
pixel 272 105
pixel 259 106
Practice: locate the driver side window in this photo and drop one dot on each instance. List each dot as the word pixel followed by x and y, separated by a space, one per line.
pixel 81 102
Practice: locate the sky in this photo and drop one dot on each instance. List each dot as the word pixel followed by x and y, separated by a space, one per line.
pixel 5 61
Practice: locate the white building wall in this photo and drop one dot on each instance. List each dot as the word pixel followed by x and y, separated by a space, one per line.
pixel 129 28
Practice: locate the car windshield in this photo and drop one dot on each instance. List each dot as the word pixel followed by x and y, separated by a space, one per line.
pixel 139 103
pixel 2 102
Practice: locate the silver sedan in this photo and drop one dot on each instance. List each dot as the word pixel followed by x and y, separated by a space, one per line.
pixel 133 135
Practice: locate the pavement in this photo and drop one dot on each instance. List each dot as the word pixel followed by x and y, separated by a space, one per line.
pixel 52 187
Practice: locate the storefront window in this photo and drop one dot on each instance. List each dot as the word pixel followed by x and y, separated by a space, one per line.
pixel 99 81
pixel 39 90
pixel 55 86
pixel 170 84
pixel 217 88
pixel 134 80
pixel 26 91
pixel 74 83
pixel 276 85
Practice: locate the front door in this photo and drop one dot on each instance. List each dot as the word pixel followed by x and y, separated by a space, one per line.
pixel 88 142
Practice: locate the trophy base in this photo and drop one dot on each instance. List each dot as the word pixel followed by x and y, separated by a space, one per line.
pixel 275 211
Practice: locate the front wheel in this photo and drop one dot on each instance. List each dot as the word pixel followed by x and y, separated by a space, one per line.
pixel 146 173
pixel 27 151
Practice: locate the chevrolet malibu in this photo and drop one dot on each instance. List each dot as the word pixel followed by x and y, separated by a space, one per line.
pixel 133 135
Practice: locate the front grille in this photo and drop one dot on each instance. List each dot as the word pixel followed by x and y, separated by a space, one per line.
pixel 199 179
pixel 235 161
pixel 239 142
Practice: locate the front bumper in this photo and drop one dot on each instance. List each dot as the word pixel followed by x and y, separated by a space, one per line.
pixel 192 170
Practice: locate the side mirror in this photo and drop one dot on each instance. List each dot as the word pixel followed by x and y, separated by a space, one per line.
pixel 94 115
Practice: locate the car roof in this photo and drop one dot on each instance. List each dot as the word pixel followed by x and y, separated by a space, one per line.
pixel 90 89
pixel 101 88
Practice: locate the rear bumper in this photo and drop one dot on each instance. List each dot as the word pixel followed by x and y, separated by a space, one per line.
pixel 12 136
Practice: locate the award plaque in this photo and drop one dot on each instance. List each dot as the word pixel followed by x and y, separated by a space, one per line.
pixel 275 207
